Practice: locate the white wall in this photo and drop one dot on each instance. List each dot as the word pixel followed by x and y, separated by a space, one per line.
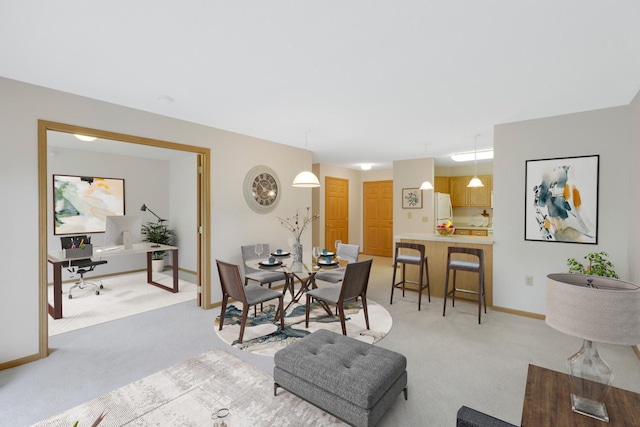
pixel 233 223
pixel 411 174
pixel 634 195
pixel 605 132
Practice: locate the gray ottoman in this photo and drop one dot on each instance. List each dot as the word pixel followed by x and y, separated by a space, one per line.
pixel 352 380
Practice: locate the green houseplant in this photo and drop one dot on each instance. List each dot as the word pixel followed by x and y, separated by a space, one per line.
pixel 598 265
pixel 160 233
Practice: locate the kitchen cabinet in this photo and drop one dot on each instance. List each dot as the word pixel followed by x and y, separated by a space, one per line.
pixel 441 184
pixel 462 232
pixel 471 232
pixel 463 196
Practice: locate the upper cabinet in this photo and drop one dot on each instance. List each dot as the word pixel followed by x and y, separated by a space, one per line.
pixel 463 196
pixel 441 184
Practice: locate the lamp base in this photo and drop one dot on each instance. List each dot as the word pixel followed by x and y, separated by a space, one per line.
pixel 590 408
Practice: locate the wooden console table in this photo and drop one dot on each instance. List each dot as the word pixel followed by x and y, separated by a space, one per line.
pixel 547 402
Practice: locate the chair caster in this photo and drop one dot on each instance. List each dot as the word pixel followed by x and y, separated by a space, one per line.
pixel 101 287
pixel 97 292
pixel 70 296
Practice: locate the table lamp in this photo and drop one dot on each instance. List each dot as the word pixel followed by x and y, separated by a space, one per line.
pixel 596 309
pixel 144 208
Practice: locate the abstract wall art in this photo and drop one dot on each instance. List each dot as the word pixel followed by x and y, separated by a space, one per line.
pixel 411 198
pixel 561 199
pixel 81 203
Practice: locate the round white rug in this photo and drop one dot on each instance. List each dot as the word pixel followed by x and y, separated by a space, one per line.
pixel 262 335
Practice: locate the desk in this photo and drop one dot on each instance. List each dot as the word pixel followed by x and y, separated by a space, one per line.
pixel 58 260
pixel 547 403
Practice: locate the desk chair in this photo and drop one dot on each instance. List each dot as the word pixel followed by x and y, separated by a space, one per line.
pixel 80 266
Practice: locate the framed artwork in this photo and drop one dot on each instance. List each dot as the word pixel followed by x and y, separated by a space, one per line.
pixel 81 203
pixel 411 198
pixel 561 199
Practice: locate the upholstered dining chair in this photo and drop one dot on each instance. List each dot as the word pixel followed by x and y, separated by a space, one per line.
pixel 344 251
pixel 260 276
pixel 248 295
pixel 354 285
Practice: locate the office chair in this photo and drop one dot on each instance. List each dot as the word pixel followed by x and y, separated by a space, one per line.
pixel 80 266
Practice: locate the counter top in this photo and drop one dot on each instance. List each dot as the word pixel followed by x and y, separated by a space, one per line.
pixel 479 240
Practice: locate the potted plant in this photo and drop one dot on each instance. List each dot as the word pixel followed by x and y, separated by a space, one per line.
pixel 598 265
pixel 160 233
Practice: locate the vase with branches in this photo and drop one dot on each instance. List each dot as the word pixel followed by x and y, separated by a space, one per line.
pixel 297 224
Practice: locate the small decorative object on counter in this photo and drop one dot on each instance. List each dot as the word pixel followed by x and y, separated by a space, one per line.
pixel 445 229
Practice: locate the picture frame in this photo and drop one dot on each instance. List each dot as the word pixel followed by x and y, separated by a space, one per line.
pixel 82 203
pixel 411 198
pixel 561 199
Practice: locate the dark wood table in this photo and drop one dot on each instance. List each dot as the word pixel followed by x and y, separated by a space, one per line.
pixel 547 402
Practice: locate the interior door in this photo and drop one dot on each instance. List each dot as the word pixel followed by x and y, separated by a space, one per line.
pixel 336 211
pixel 378 218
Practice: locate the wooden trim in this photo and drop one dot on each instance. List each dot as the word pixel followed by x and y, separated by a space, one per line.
pixel 22 361
pixel 519 312
pixel 636 350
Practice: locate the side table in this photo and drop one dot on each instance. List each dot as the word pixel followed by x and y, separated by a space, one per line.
pixel 547 403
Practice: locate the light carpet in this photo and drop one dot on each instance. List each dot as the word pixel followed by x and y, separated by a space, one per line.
pixel 188 393
pixel 121 296
pixel 262 335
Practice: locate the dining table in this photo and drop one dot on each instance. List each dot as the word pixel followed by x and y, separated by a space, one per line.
pixel 303 272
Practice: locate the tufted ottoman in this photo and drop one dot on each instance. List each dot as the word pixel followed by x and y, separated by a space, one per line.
pixel 355 381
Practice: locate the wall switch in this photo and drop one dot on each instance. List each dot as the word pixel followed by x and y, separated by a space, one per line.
pixel 425 219
pixel 528 280
pixel 409 215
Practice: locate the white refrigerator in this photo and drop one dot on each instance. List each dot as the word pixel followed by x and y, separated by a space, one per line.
pixel 443 211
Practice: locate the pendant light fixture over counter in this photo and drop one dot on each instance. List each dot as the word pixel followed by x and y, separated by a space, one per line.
pixel 306 178
pixel 427 184
pixel 475 181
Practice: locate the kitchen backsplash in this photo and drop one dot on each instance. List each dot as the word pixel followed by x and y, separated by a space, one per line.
pixel 462 217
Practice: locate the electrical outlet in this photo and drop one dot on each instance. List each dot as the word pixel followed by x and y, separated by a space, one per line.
pixel 425 219
pixel 409 215
pixel 528 280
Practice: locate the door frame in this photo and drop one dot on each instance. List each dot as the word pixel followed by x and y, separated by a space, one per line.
pixel 203 210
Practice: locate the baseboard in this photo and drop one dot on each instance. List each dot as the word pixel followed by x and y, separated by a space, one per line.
pixel 519 312
pixel 21 361
pixel 636 350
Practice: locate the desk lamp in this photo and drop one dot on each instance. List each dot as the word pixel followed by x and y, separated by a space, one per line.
pixel 145 208
pixel 596 309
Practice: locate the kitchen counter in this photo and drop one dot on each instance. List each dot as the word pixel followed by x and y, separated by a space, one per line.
pixel 437 248
pixel 480 240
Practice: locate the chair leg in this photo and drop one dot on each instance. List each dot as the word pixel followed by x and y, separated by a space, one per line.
pixel 243 322
pixel 446 290
pixel 366 310
pixel 223 309
pixel 393 281
pixel 453 289
pixel 342 322
pixel 404 275
pixel 420 286
pixel 281 308
pixel 306 318
pixel 426 269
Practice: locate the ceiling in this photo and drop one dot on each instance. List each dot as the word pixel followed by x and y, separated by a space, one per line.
pixel 362 81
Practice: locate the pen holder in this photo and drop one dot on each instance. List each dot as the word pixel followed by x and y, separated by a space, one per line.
pixel 84 252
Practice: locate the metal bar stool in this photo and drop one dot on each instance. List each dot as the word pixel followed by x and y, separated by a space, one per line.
pixel 419 259
pixel 476 266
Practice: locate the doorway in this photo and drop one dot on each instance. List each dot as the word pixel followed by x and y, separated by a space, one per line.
pixel 378 218
pixel 202 209
pixel 336 211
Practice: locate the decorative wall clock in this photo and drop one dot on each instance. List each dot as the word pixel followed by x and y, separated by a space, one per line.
pixel 262 189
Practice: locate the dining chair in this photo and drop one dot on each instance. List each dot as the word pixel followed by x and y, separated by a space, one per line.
pixel 260 276
pixel 354 285
pixel 344 251
pixel 248 295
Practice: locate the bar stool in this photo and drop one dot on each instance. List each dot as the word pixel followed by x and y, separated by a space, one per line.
pixel 419 259
pixel 465 265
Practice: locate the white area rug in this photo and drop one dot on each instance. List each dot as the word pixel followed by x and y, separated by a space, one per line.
pixel 262 335
pixel 122 296
pixel 189 393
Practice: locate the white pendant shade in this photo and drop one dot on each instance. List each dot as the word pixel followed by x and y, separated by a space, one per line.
pixel 426 186
pixel 475 182
pixel 306 179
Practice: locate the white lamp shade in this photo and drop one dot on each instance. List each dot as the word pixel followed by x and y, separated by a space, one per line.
pixel 475 182
pixel 426 186
pixel 608 313
pixel 306 179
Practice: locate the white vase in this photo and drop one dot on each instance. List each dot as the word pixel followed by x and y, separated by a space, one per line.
pixel 297 251
pixel 157 265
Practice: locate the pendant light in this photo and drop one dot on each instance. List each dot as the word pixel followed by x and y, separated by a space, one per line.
pixel 475 181
pixel 306 178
